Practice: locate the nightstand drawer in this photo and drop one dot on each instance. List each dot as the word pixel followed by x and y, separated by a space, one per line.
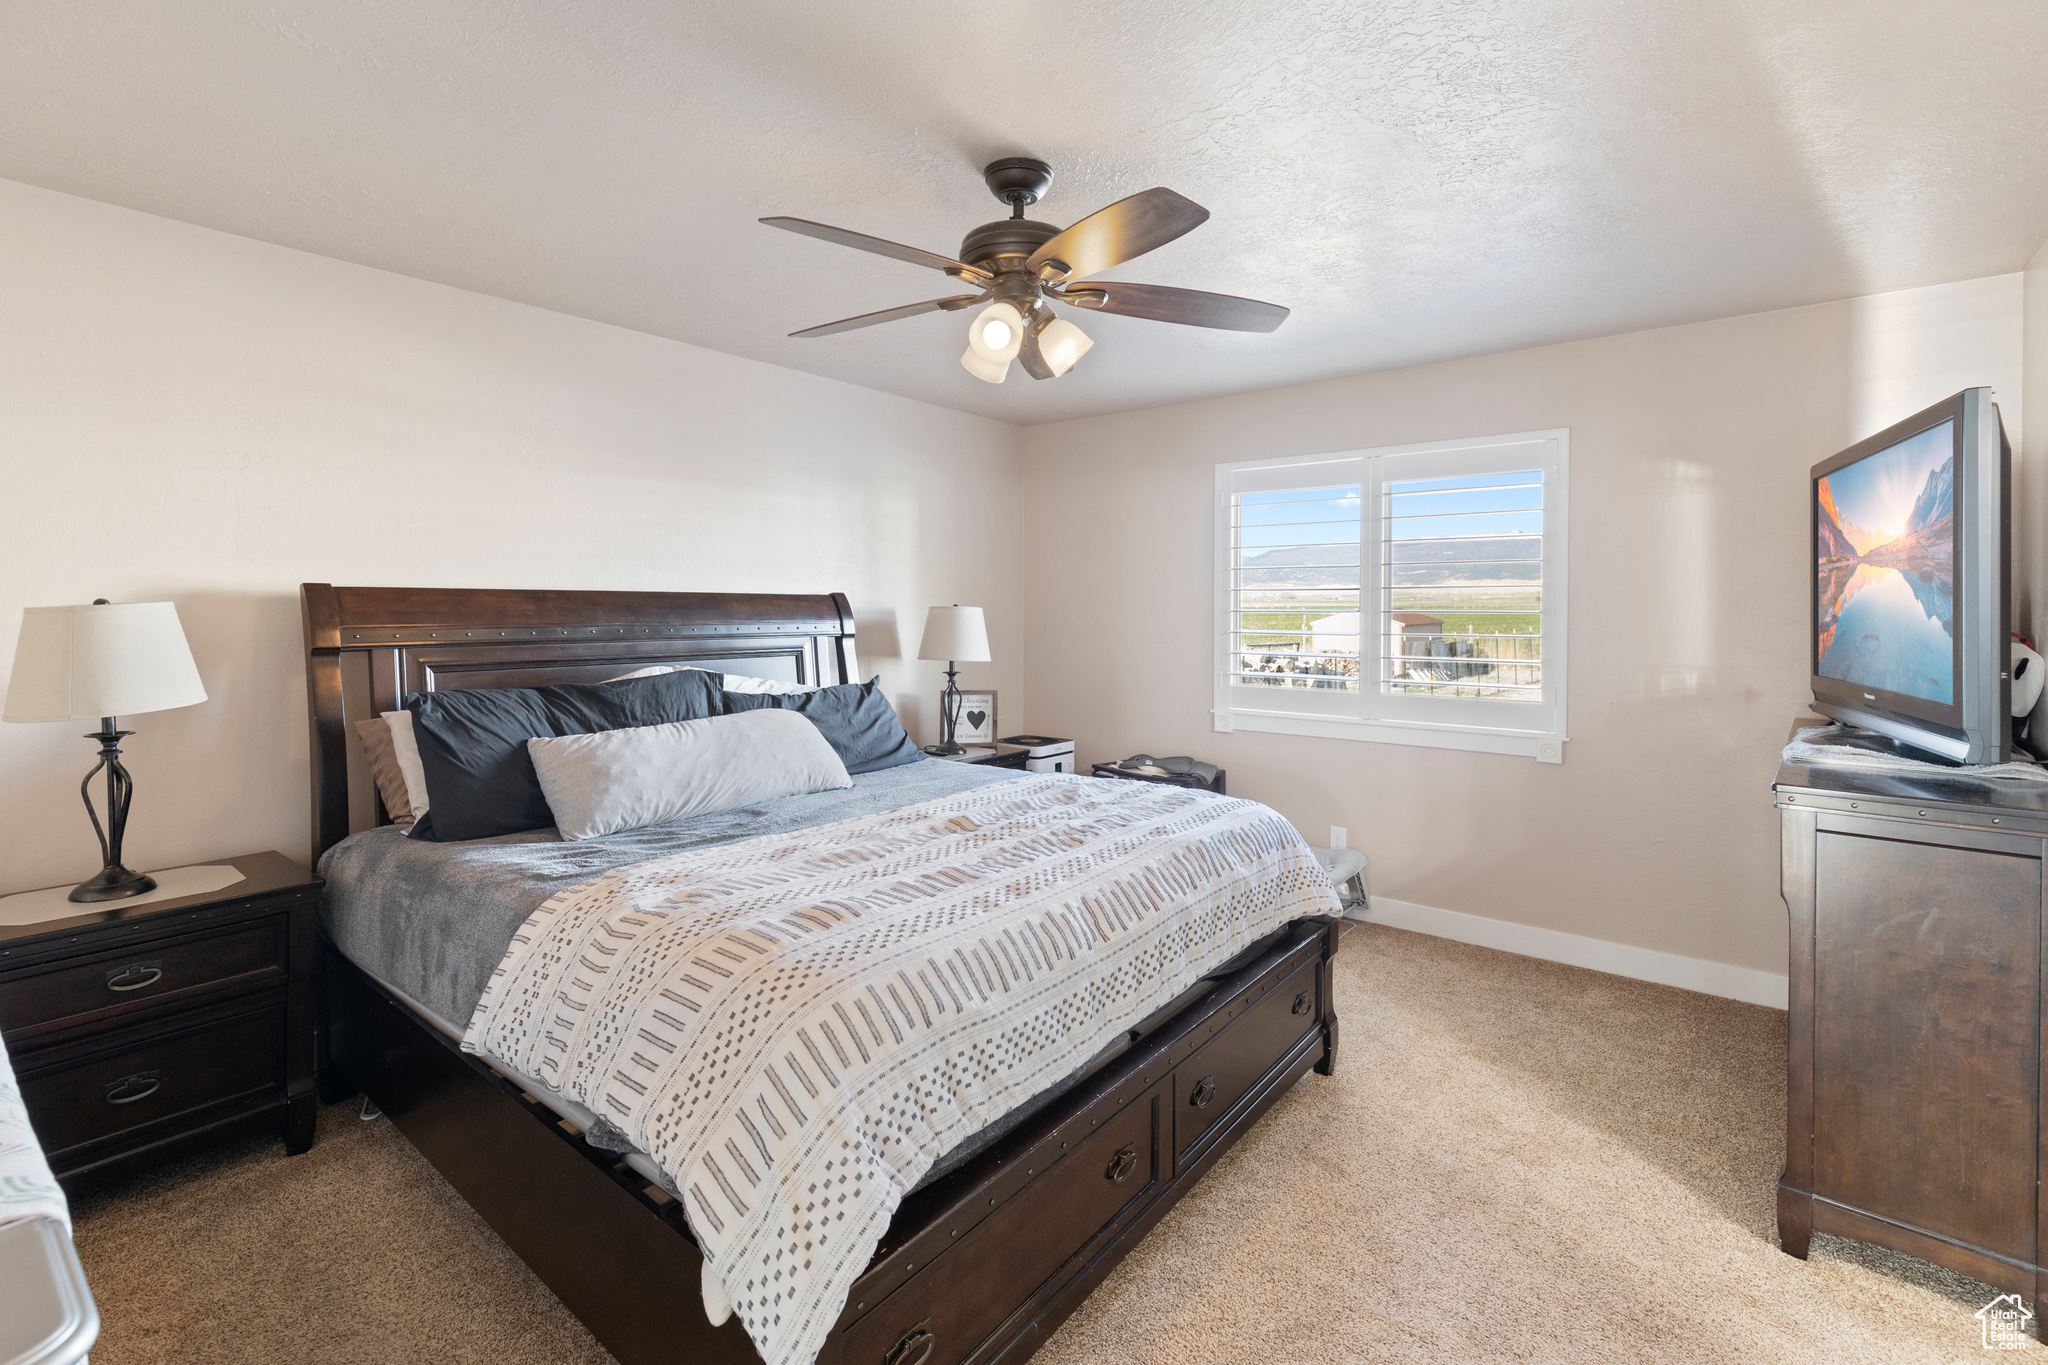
pixel 111 981
pixel 160 1076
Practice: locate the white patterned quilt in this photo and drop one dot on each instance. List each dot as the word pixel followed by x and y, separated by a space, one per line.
pixel 797 1026
pixel 27 1189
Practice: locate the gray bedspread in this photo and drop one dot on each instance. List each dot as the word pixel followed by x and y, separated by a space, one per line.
pixel 434 920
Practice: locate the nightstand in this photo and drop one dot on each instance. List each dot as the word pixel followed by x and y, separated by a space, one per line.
pixel 990 756
pixel 142 1029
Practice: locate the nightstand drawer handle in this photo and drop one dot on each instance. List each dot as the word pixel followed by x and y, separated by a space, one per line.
pixel 1122 1164
pixel 1301 1003
pixel 1205 1090
pixel 139 1086
pixel 135 976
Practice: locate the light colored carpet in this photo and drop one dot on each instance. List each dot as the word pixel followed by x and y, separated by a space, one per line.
pixel 1516 1161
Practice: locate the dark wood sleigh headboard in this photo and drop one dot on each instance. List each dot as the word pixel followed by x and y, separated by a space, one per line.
pixel 368 647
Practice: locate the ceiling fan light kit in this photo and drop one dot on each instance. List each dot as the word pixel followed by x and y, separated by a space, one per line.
pixel 994 371
pixel 1062 343
pixel 1021 267
pixel 998 333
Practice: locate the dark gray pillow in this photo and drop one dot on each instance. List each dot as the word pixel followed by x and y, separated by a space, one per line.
pixel 472 742
pixel 855 718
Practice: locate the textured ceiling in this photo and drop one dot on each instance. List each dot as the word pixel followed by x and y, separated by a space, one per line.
pixel 1416 180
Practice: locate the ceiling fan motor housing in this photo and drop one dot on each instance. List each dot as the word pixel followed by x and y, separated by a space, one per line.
pixel 1018 181
pixel 1010 237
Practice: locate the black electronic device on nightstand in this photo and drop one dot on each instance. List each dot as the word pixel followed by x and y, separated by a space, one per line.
pixel 990 756
pixel 145 1028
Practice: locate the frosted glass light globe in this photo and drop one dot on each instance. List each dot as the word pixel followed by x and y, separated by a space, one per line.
pixel 990 371
pixel 1061 344
pixel 997 333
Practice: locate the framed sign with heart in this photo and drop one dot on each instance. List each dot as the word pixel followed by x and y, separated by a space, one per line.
pixel 977 719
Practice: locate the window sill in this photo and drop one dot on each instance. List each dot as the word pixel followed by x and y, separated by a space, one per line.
pixel 1541 746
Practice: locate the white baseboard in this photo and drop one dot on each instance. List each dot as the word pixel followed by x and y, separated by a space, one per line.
pixel 1552 945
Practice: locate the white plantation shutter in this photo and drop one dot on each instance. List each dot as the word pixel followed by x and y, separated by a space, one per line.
pixel 1412 594
pixel 1293 567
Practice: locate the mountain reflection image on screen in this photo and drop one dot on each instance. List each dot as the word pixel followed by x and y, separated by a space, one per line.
pixel 1884 549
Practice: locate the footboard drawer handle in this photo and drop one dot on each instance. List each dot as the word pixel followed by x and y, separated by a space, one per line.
pixel 1301 1003
pixel 1123 1163
pixel 135 976
pixel 139 1086
pixel 915 1348
pixel 1205 1090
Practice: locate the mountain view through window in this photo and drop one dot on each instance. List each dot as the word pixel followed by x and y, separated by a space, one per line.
pixel 1294 599
pixel 1462 576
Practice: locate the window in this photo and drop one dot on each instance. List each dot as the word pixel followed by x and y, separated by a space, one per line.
pixel 1412 594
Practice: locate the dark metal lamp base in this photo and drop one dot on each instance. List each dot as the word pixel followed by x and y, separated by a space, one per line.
pixel 945 750
pixel 115 881
pixel 112 884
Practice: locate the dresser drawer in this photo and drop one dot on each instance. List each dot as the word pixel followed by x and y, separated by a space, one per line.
pixel 131 976
pixel 155 1075
pixel 952 1305
pixel 1209 1084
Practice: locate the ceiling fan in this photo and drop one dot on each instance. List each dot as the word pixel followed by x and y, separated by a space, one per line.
pixel 1020 267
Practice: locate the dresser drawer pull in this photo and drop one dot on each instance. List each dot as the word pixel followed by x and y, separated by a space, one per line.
pixel 135 976
pixel 1301 1003
pixel 1122 1164
pixel 915 1348
pixel 139 1086
pixel 1205 1090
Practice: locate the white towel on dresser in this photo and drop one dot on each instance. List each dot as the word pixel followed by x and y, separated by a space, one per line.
pixel 797 1026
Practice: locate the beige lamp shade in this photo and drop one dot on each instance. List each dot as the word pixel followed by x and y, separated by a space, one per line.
pixel 957 634
pixel 118 659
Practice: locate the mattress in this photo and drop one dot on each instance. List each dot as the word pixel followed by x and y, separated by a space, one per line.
pixel 586 1122
pixel 431 921
pixel 434 920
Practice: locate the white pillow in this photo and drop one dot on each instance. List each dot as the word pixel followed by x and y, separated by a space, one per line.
pixel 405 747
pixel 651 774
pixel 734 682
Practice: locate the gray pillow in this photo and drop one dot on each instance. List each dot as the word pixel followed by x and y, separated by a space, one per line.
pixel 652 774
pixel 855 718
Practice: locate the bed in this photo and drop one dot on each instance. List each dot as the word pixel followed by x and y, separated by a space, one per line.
pixel 996 1243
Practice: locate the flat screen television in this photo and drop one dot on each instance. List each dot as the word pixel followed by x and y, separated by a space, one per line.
pixel 1911 566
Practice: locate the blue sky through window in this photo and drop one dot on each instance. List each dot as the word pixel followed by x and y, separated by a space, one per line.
pixel 1472 505
pixel 1304 516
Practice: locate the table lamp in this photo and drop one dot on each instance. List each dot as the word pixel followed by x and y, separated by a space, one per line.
pixel 105 660
pixel 956 634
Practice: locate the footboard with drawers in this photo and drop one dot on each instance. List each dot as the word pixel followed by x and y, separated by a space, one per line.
pixel 980 1272
pixel 977 1268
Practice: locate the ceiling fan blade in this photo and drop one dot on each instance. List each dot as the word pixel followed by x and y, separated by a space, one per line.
pixel 1190 307
pixel 908 310
pixel 860 241
pixel 1126 229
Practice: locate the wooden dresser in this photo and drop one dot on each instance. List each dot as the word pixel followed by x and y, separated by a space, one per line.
pixel 141 1031
pixel 1915 1067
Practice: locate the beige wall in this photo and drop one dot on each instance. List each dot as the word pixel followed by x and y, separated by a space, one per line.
pixel 1689 453
pixel 190 415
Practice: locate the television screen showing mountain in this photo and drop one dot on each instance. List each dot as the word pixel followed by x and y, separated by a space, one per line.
pixel 1884 553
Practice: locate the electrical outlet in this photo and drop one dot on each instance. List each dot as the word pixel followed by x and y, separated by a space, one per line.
pixel 1336 836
